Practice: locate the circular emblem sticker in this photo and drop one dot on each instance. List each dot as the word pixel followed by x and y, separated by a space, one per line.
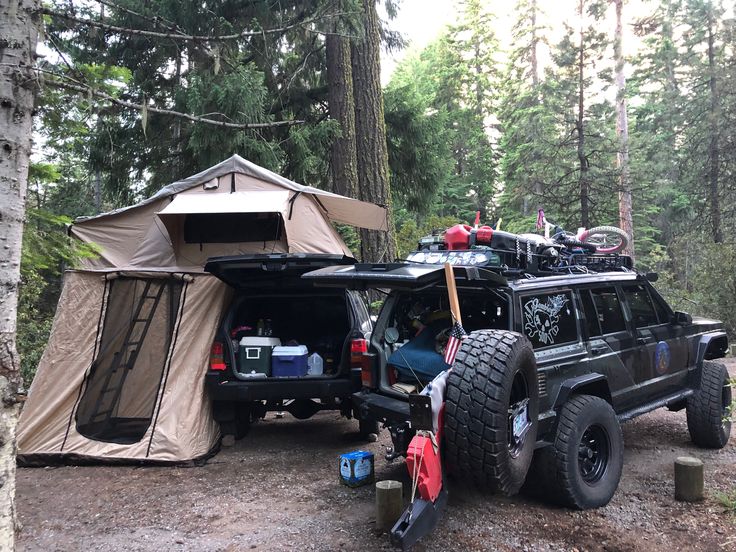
pixel 662 357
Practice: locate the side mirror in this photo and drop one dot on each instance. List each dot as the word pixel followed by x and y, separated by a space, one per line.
pixel 391 335
pixel 682 318
pixel 651 276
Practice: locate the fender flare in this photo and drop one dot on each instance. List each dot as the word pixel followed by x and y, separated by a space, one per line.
pixel 710 346
pixel 593 383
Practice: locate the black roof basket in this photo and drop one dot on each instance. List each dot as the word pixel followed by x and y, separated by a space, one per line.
pixel 515 255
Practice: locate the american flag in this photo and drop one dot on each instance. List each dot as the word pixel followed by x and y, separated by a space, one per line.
pixel 457 334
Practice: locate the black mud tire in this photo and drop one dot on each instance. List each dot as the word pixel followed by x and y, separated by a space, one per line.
pixel 489 368
pixel 565 472
pixel 366 427
pixel 709 409
pixel 242 421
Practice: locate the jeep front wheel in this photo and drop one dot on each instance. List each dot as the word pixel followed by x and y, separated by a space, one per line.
pixel 709 409
pixel 583 467
pixel 491 410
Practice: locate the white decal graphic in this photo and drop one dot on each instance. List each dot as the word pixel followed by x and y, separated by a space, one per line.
pixel 542 319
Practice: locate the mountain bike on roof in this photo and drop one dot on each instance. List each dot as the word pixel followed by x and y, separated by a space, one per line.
pixel 599 239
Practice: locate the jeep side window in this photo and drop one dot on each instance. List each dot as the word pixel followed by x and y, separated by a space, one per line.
pixel 640 305
pixel 549 319
pixel 663 313
pixel 591 316
pixel 608 307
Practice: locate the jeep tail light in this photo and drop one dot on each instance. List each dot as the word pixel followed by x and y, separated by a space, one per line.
pixel 360 359
pixel 217 356
pixel 358 347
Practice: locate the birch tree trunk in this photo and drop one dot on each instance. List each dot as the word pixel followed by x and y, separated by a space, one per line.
pixel 370 133
pixel 19 21
pixel 625 207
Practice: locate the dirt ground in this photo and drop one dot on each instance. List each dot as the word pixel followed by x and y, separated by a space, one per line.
pixel 278 489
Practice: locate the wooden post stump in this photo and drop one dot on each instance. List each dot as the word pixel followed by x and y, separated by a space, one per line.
pixel 688 479
pixel 389 504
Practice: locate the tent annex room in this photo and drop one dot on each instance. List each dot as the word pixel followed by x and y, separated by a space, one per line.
pixel 121 378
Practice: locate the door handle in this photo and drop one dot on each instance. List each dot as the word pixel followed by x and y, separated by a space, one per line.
pixel 598 350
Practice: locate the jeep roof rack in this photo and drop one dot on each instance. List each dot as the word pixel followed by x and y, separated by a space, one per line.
pixel 523 261
pixel 514 255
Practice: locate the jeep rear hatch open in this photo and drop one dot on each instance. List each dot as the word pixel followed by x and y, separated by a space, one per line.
pixel 245 271
pixel 401 275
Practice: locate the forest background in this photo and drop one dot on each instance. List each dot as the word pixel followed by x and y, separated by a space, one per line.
pixel 547 113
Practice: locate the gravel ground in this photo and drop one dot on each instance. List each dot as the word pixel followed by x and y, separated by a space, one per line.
pixel 277 489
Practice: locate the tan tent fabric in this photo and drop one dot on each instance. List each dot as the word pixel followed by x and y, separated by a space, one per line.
pixel 162 412
pixel 346 210
pixel 184 428
pixel 148 236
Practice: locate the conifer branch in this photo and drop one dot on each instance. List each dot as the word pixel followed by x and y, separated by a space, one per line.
pixel 68 83
pixel 153 19
pixel 177 35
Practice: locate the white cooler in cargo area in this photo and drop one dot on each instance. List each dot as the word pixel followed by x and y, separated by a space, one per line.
pixel 289 361
pixel 254 356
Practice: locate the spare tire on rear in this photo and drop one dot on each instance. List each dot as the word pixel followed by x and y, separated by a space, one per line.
pixel 493 379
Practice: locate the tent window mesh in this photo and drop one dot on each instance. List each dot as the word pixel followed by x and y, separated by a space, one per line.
pixel 119 400
pixel 232 227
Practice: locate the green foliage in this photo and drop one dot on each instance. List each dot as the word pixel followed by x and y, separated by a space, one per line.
pixel 350 236
pixel 727 500
pixel 409 232
pixel 420 159
pixel 46 251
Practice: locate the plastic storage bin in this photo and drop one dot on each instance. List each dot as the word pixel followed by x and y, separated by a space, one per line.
pixel 254 356
pixel 289 361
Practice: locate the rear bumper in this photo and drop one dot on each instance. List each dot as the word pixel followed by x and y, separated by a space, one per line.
pixel 284 389
pixel 374 406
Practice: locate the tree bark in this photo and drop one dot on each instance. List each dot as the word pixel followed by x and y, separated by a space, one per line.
pixel 538 186
pixel 626 220
pixel 370 133
pixel 19 22
pixel 583 183
pixel 714 168
pixel 343 157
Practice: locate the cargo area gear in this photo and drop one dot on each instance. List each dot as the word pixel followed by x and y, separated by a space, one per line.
pixel 305 365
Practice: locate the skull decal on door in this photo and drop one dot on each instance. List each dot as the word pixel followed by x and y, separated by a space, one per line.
pixel 541 320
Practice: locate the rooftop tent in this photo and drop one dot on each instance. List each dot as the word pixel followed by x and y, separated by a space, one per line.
pixel 122 376
pixel 147 236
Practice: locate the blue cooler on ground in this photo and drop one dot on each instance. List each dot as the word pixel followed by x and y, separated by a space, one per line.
pixel 289 361
pixel 254 356
pixel 356 468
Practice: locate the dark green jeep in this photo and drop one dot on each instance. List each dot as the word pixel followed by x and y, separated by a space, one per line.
pixel 552 365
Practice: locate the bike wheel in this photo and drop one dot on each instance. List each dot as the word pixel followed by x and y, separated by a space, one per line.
pixel 606 239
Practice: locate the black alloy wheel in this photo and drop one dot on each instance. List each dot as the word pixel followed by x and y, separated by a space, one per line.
pixel 593 453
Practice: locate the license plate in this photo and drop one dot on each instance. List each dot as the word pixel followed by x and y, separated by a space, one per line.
pixel 521 420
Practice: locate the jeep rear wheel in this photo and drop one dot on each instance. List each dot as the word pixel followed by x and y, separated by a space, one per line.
pixel 709 409
pixel 583 467
pixel 491 410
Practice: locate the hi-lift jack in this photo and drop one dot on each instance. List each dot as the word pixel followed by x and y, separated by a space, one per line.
pixel 424 463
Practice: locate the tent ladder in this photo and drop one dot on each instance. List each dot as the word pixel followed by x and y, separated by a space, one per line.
pixel 129 348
